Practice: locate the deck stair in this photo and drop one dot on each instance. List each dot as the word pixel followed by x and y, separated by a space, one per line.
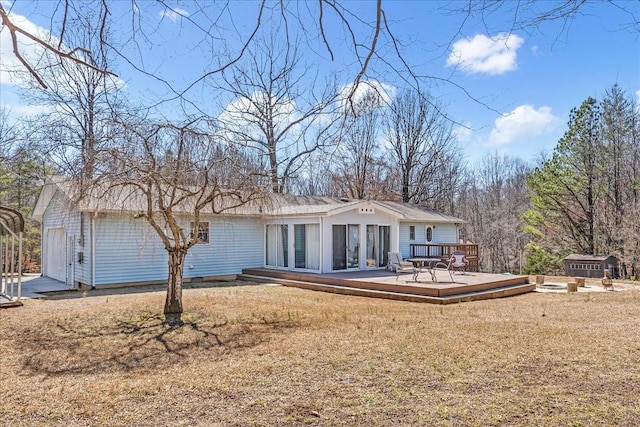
pixel 434 293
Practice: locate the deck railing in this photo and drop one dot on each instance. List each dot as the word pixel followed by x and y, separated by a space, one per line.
pixel 444 250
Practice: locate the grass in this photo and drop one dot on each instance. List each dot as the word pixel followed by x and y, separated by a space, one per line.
pixel 275 356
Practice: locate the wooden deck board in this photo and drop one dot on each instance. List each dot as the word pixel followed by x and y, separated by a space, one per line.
pixel 385 285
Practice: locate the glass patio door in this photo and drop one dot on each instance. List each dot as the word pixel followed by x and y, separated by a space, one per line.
pixel 346 246
pixel 378 245
pixel 384 245
pixel 277 240
pixel 306 243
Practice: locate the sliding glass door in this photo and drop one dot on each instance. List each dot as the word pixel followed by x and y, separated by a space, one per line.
pixel 346 246
pixel 378 245
pixel 277 239
pixel 306 243
pixel 384 244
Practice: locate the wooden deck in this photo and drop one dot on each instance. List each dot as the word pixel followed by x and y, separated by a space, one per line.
pixel 383 284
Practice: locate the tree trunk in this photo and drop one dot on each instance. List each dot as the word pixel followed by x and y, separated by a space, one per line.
pixel 173 302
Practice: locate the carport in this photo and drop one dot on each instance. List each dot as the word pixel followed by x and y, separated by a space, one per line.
pixel 11 231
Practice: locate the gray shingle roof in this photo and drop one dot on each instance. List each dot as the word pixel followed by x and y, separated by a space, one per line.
pixel 127 198
pixel 581 257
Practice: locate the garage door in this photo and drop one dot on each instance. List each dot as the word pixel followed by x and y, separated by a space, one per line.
pixel 55 255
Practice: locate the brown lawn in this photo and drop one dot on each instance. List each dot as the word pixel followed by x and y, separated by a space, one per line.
pixel 274 356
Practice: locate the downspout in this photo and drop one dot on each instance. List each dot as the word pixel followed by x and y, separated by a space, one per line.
pixel 321 249
pixel 92 219
pixel 3 285
pixel 42 245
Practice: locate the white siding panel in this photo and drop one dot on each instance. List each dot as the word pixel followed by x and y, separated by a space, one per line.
pixel 445 233
pixel 442 233
pixel 129 250
pixel 404 237
pixel 234 244
pixel 354 217
pixel 59 213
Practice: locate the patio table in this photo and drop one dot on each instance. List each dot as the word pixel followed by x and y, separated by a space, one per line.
pixel 424 263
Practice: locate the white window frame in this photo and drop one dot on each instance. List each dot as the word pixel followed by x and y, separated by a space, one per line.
pixel 202 232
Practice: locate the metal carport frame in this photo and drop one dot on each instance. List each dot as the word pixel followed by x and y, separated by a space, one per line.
pixel 11 232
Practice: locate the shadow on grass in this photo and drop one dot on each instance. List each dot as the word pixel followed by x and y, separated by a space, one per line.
pixel 144 343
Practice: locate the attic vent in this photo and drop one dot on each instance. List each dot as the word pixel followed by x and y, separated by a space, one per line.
pixel 366 211
pixel 345 200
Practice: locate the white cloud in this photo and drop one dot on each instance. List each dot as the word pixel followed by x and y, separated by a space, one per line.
pixel 13 72
pixel 174 14
pixel 463 133
pixel 382 94
pixel 26 110
pixel 524 123
pixel 29 50
pixel 241 117
pixel 482 54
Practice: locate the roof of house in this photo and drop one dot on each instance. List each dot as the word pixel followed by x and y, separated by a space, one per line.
pixel 129 198
pixel 581 257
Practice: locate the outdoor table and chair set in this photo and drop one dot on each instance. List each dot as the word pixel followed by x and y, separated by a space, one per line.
pixel 456 262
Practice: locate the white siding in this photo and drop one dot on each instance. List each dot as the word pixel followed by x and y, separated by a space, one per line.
pixel 442 233
pixel 59 214
pixel 235 243
pixel 129 250
pixel 354 217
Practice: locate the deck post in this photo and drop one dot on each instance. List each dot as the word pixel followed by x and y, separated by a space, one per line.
pixel 19 266
pixel 13 262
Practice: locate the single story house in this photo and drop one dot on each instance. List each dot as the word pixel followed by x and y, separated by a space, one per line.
pixel 590 265
pixel 106 241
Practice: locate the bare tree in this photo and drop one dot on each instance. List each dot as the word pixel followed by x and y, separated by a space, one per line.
pixel 275 114
pixel 214 24
pixel 358 156
pixel 423 146
pixel 530 15
pixel 169 167
pixel 8 134
pixel 171 176
pixel 78 100
pixel 616 217
pixel 493 200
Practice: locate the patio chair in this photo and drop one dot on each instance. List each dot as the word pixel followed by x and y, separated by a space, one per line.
pixel 457 262
pixel 397 265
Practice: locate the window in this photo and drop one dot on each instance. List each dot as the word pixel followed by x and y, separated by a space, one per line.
pixel 203 231
pixel 412 232
pixel 429 232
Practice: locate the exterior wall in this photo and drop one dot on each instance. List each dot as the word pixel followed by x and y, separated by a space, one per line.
pixel 590 268
pixel 354 217
pixel 234 243
pixel 129 250
pixel 290 222
pixel 60 214
pixel 442 233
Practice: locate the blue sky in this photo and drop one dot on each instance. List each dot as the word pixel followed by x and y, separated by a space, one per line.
pixel 526 81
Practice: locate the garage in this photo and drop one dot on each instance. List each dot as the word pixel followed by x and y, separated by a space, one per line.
pixel 55 254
